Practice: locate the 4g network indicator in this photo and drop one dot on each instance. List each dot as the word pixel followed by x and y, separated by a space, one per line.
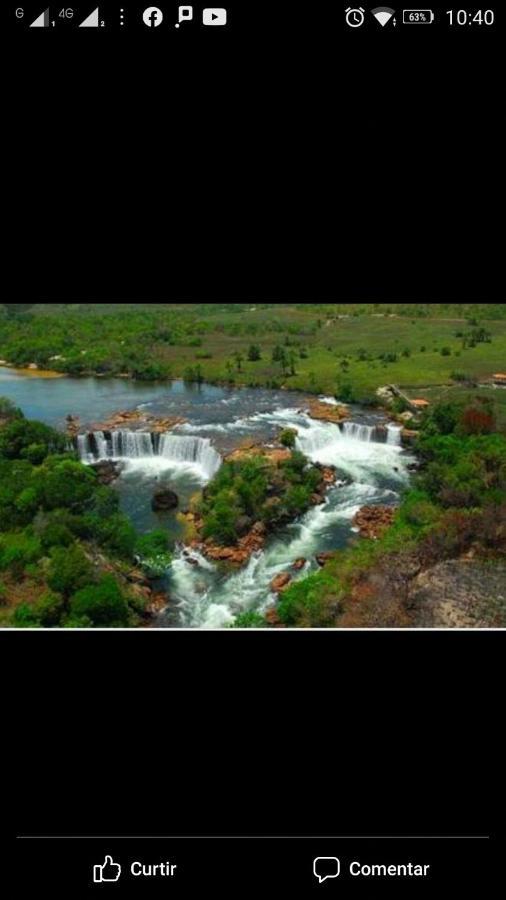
pixel 150 17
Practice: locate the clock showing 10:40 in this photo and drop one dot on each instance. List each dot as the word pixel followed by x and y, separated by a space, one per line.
pixel 355 17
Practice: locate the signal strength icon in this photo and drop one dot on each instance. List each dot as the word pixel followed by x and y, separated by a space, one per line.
pixel 91 21
pixel 41 21
pixel 383 14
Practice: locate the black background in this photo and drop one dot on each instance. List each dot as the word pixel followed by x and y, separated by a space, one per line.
pixel 286 159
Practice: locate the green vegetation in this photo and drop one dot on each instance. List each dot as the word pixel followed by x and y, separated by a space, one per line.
pixel 64 545
pixel 347 350
pixel 257 490
pixel 457 504
pixel 153 552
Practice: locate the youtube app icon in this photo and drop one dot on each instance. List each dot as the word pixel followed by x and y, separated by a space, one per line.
pixel 214 16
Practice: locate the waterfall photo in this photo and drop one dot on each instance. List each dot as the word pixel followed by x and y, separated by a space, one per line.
pixel 219 467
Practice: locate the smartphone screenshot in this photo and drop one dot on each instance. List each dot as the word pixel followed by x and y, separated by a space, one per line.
pixel 252 451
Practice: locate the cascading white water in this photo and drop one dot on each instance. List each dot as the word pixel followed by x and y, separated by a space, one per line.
pixel 394 435
pixel 191 450
pixel 358 432
pixel 207 602
pixel 378 471
pixel 152 452
pixel 132 444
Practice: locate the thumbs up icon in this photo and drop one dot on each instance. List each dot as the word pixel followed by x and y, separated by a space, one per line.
pixel 109 873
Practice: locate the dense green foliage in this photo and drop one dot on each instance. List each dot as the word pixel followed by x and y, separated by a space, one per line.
pixel 58 529
pixel 153 552
pixel 257 490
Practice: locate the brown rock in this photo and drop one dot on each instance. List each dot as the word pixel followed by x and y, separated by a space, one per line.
pixel 158 602
pixel 409 437
pixel 326 413
pixel 299 564
pixel 281 583
pixel 272 619
pixel 137 420
pixel 373 521
pixel 137 576
pixel 329 475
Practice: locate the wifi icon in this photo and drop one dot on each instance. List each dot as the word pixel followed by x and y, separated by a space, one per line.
pixel 383 14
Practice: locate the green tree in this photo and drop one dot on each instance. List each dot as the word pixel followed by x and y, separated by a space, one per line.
pixel 254 353
pixel 70 570
pixel 288 438
pixel 102 603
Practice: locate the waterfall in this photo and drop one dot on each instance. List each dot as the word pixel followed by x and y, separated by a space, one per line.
pixel 191 450
pixel 150 450
pixel 365 453
pixel 358 432
pixel 394 435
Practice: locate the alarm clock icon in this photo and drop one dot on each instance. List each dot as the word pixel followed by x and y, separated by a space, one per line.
pixel 355 17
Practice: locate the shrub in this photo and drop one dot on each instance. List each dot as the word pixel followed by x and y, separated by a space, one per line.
pixel 70 570
pixel 442 419
pixel 345 393
pixel 8 410
pixel 254 353
pixel 56 535
pixel 102 603
pixel 477 421
pixel 219 524
pixel 288 438
pixel 62 482
pixel 314 601
pixel 24 617
pixel 18 550
pixel 19 439
pixel 153 551
pixel 49 610
pixel 250 620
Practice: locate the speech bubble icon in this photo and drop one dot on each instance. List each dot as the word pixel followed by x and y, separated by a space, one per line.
pixel 326 867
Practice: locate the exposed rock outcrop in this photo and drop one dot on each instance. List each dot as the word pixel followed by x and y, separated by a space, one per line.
pixel 373 521
pixel 281 583
pixel 462 593
pixel 251 543
pixel 249 450
pixel 326 413
pixel 137 420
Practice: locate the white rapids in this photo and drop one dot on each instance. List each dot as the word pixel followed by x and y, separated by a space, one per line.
pixel 151 453
pixel 377 472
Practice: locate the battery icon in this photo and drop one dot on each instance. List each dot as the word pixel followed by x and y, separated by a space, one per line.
pixel 417 17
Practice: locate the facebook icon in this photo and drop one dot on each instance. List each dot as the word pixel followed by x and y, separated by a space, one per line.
pixel 152 16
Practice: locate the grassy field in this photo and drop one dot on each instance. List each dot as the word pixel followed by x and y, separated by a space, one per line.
pixel 326 348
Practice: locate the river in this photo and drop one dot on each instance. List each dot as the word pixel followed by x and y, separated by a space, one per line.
pixel 219 419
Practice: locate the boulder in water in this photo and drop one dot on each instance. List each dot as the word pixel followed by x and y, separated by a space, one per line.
pixel 281 583
pixel 164 500
pixel 299 564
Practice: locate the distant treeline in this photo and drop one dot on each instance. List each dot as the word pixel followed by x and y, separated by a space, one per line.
pixel 418 310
